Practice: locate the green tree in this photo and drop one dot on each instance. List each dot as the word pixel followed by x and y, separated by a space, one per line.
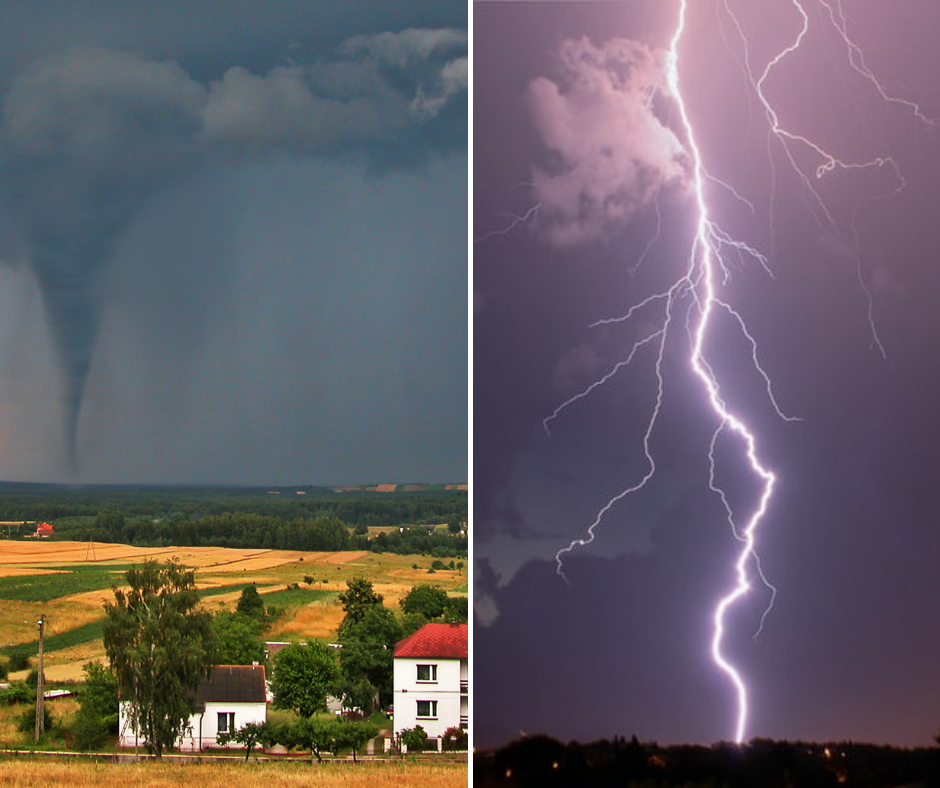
pixel 429 601
pixel 110 520
pixel 411 622
pixel 368 647
pixel 239 638
pixel 315 734
pixel 98 707
pixel 304 674
pixel 248 736
pixel 250 603
pixel 359 694
pixel 87 731
pixel 158 644
pixel 453 526
pixel 351 735
pixel 457 610
pixel 358 598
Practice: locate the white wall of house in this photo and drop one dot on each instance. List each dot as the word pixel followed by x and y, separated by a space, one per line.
pixel 433 701
pixel 203 728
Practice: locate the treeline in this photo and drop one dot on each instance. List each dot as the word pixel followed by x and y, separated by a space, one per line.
pixel 543 761
pixel 21 503
pixel 247 530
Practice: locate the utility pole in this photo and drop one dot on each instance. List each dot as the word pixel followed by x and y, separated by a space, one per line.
pixel 40 712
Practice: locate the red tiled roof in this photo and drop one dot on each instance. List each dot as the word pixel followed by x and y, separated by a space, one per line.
pixel 45 527
pixel 448 641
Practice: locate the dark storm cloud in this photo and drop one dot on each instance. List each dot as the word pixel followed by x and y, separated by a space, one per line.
pixel 88 135
pixel 111 115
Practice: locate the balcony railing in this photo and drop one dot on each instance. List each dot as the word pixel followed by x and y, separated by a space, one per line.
pixel 464 720
pixel 464 686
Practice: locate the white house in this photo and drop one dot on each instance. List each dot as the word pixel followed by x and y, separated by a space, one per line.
pixel 431 679
pixel 232 697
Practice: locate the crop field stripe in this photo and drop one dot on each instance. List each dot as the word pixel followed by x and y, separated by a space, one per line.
pixel 298 596
pixel 93 630
pixel 43 588
pixel 217 590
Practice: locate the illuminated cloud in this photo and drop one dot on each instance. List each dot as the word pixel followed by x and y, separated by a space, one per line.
pixel 610 152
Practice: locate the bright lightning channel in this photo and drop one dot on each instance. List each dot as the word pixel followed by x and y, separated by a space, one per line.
pixel 696 292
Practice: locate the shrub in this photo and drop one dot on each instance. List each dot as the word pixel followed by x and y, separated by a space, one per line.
pixel 415 739
pixel 26 722
pixel 19 660
pixel 455 739
pixel 17 693
pixel 89 731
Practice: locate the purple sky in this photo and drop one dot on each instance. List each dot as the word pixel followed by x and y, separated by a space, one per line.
pixel 850 650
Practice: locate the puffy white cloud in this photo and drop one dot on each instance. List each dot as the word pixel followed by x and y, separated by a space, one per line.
pixel 610 152
pixel 379 85
pixel 397 49
pixel 453 79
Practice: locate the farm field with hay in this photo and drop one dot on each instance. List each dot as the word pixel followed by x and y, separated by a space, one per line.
pixel 68 582
pixel 31 773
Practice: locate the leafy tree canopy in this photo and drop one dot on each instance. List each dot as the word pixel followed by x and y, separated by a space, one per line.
pixel 359 694
pixel 368 647
pixel 98 707
pixel 248 736
pixel 239 638
pixel 250 603
pixel 303 676
pixel 429 601
pixel 358 598
pixel 158 644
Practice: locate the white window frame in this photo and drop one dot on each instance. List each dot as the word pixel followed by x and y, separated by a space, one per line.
pixel 226 725
pixel 431 673
pixel 432 710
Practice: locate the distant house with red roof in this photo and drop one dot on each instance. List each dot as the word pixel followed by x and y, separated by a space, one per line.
pixel 432 679
pixel 44 531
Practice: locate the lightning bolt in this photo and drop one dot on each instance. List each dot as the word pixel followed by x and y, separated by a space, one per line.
pixel 693 303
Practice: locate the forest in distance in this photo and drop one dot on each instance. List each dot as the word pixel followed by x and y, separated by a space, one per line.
pixel 430 522
pixel 544 762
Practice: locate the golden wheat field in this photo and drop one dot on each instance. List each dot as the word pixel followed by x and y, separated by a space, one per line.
pixel 216 569
pixel 28 773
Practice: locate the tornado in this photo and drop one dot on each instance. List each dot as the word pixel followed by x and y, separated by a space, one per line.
pixel 86 138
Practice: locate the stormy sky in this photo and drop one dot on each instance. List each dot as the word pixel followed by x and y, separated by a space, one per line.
pixel 233 242
pixel 582 208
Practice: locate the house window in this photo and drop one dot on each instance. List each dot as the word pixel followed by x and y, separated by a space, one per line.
pixel 427 709
pixel 226 722
pixel 427 672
